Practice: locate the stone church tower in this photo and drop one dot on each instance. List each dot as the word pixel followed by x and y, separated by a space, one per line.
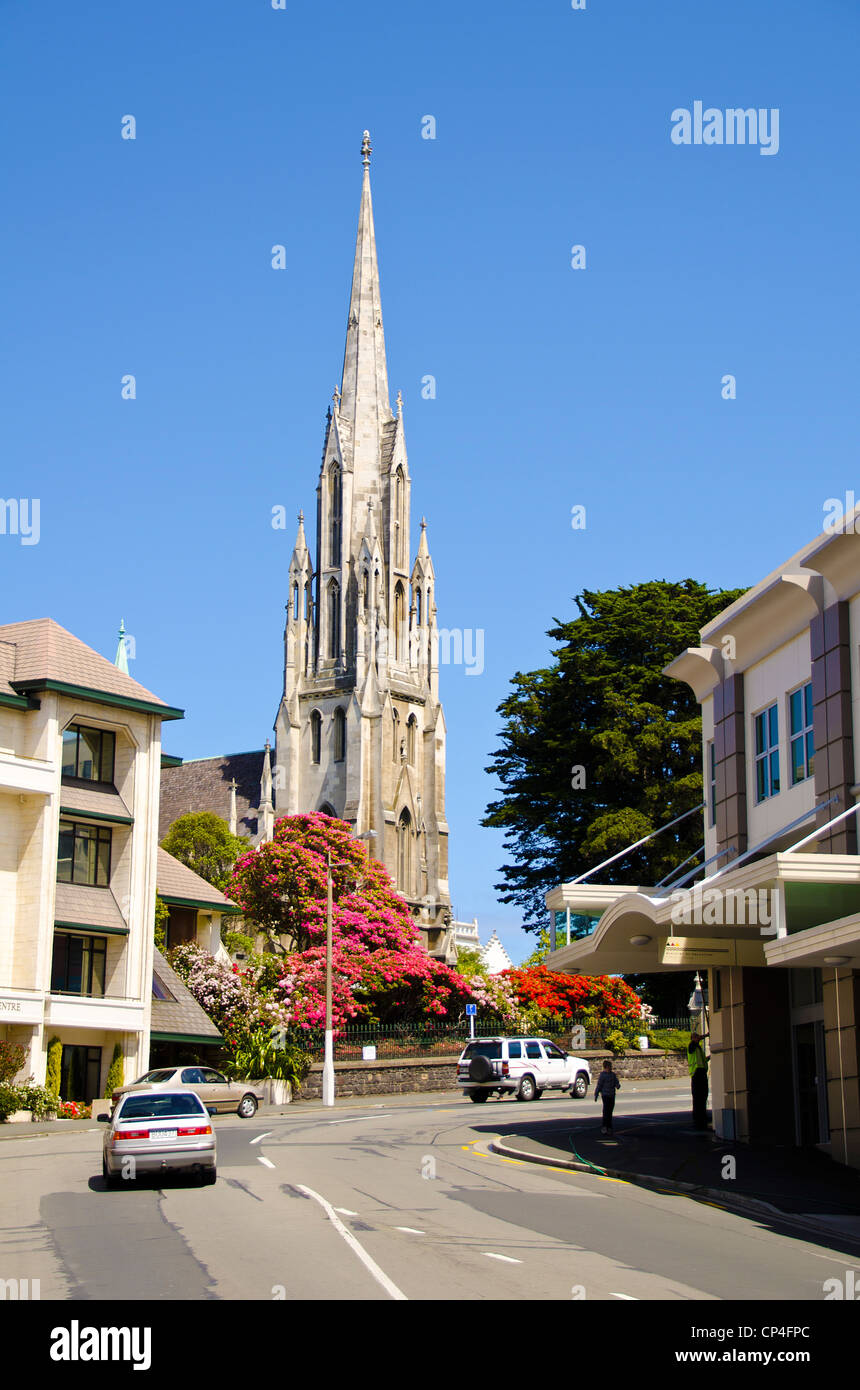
pixel 360 731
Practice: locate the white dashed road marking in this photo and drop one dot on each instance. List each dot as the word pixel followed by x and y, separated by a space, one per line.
pixel 369 1263
pixel 261 1137
pixel 410 1230
pixel 507 1258
pixel 267 1162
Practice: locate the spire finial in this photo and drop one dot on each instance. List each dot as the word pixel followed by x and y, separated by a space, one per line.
pixel 423 523
pixel 366 150
pixel 399 402
pixel 336 397
pixel 301 518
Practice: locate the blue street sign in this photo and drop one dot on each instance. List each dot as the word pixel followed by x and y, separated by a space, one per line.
pixel 471 1010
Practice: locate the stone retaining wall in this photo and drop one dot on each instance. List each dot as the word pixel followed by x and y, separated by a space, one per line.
pixel 414 1075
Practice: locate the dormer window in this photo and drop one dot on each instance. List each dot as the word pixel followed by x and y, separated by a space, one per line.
pixel 83 854
pixel 88 754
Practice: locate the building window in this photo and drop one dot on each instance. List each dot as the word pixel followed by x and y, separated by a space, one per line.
pixel 88 753
pixel 83 854
pixel 411 726
pixel 404 853
pixel 418 607
pixel 395 736
pixel 802 740
pixel 399 623
pixel 335 503
pixel 334 619
pixel 78 965
pixel 80 1072
pixel 339 735
pixel 712 783
pixel 399 523
pixel 767 753
pixel 316 736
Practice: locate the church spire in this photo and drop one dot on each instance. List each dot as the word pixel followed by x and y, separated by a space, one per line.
pixel 364 398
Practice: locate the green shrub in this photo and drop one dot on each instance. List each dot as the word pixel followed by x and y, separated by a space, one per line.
pixel 12 1058
pixel 55 1062
pixel 162 915
pixel 39 1099
pixel 237 942
pixel 670 1039
pixel 115 1074
pixel 10 1099
pixel 616 1040
pixel 259 1055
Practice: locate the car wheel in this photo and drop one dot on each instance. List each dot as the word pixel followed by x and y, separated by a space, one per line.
pixel 579 1089
pixel 539 1093
pixel 527 1089
pixel 478 1096
pixel 110 1179
pixel 247 1108
pixel 208 1177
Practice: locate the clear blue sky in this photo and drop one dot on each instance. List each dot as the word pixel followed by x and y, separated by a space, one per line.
pixel 555 387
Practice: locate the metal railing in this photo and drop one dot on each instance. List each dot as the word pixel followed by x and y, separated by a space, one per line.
pixel 424 1038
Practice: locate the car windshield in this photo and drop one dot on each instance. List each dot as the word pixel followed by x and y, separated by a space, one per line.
pixel 160 1107
pixel 483 1049
pixel 162 1075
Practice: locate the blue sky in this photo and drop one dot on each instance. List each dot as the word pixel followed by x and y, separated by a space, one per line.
pixel 555 387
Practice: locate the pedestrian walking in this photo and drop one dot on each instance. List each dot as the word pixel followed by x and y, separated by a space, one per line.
pixel 607 1085
pixel 698 1065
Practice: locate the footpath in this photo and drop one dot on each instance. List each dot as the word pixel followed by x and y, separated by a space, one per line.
pixel 804 1187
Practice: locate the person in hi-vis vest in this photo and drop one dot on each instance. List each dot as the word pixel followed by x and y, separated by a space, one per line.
pixel 698 1064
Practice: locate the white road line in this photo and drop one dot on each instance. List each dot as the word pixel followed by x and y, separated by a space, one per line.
pixel 345 1211
pixel 507 1258
pixel 266 1161
pixel 410 1230
pixel 261 1137
pixel 369 1263
pixel 355 1119
pixel 628 1296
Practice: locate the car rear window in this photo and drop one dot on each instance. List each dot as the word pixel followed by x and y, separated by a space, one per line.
pixel 159 1107
pixel 163 1075
pixel 483 1049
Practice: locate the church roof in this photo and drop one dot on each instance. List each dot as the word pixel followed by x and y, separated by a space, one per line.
pixel 203 784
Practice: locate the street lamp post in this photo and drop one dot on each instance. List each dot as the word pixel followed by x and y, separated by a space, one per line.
pixel 328 1053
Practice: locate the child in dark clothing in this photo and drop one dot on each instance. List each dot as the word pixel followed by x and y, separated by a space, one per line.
pixel 607 1085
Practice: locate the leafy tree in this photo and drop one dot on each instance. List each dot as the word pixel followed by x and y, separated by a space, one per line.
pixel 204 842
pixel 281 887
pixel 601 748
pixel 162 916
pixel 54 1069
pixel 470 963
pixel 12 1059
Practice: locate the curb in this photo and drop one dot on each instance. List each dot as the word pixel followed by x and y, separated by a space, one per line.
pixel 744 1206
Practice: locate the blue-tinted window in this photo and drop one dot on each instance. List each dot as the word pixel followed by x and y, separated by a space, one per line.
pixel 801 735
pixel 767 753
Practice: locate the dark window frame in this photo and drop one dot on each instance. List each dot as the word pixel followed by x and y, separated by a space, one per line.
pixel 101 835
pixel 103 736
pixel 93 949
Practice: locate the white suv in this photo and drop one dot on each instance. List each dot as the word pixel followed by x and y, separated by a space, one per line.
pixel 526 1066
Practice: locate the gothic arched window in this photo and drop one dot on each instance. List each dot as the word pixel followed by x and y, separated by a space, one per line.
pixel 295 602
pixel 399 518
pixel 335 513
pixel 316 736
pixel 334 619
pixel 339 735
pixel 399 622
pixel 411 730
pixel 328 810
pixel 418 606
pixel 395 737
pixel 404 852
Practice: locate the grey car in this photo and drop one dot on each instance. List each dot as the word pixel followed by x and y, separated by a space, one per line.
pixel 216 1091
pixel 158 1132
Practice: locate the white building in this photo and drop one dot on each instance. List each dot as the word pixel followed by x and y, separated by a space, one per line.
pixel 80 763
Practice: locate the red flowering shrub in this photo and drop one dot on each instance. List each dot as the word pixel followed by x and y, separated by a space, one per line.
pixel 563 996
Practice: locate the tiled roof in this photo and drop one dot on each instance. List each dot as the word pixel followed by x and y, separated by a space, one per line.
pixel 176 880
pixel 89 801
pixel 40 650
pixel 204 785
pixel 181 1014
pixel 78 905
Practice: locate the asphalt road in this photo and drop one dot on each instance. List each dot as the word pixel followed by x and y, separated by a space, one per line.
pixel 397 1199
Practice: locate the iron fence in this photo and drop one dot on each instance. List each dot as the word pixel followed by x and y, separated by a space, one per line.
pixel 424 1038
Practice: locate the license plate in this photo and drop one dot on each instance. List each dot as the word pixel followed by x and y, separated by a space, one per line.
pixel 165 1134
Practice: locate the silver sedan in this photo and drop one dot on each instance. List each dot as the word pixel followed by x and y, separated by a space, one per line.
pixel 216 1091
pixel 155 1132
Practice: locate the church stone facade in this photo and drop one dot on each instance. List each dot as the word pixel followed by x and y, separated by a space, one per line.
pixel 360 731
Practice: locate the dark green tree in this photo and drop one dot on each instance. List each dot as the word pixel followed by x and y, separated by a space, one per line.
pixel 204 843
pixel 601 747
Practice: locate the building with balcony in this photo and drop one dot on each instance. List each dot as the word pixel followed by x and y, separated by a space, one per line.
pixel 773 912
pixel 80 766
